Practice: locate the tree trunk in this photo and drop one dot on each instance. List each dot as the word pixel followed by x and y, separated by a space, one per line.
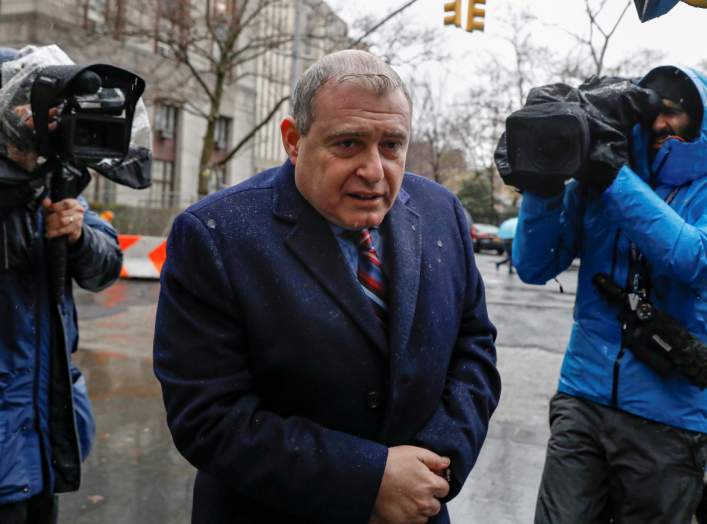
pixel 207 147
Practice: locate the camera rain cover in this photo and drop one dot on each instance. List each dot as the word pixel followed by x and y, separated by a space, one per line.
pixel 19 141
pixel 563 131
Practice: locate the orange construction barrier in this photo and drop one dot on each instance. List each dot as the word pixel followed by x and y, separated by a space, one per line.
pixel 143 257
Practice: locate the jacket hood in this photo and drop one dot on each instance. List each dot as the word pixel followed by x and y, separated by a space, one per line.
pixel 676 162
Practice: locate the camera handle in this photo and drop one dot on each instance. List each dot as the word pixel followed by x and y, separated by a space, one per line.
pixel 65 181
pixel 58 247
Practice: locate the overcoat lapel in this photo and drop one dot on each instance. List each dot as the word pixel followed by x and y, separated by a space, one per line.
pixel 403 253
pixel 313 242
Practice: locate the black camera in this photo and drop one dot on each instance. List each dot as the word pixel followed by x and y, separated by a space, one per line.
pixel 95 105
pixel 564 132
pixel 83 117
pixel 58 119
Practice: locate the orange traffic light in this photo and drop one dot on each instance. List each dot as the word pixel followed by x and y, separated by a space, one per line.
pixel 475 12
pixel 453 13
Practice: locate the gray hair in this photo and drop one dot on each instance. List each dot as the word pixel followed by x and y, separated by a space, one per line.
pixel 350 65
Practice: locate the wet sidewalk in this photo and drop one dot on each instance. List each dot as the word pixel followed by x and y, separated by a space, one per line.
pixel 134 474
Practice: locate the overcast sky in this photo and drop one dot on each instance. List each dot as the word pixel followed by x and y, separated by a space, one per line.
pixel 681 34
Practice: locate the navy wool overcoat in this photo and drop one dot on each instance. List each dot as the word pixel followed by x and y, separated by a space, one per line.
pixel 280 385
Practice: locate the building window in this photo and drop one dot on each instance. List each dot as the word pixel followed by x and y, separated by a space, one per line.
pixel 164 154
pixel 166 121
pixel 100 15
pixel 104 190
pixel 95 14
pixel 172 25
pixel 218 179
pixel 222 133
pixel 223 8
pixel 176 11
pixel 162 188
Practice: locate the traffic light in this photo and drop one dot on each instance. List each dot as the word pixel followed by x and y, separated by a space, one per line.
pixel 475 12
pixel 454 8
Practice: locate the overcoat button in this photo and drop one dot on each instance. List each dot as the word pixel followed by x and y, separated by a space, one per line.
pixel 374 399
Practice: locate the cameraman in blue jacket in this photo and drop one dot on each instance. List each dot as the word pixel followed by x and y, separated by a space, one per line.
pixel 46 424
pixel 627 444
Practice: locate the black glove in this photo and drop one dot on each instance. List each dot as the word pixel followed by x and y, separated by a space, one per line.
pixel 605 161
pixel 548 186
pixel 622 109
pixel 638 106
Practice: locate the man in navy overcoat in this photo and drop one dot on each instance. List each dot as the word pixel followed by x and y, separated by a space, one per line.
pixel 322 338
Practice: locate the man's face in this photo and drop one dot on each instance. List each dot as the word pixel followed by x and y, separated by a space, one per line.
pixel 672 121
pixel 350 164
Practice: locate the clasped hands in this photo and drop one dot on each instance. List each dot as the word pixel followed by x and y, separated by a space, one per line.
pixel 411 487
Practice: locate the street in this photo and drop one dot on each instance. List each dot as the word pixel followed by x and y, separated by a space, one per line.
pixel 135 475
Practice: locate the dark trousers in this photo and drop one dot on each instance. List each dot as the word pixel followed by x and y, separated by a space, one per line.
pixel 606 466
pixel 40 509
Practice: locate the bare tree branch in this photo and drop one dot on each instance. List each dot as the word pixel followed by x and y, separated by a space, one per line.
pixel 598 54
pixel 391 15
pixel 243 141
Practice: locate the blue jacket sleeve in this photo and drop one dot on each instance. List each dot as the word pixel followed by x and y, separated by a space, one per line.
pixel 675 247
pixel 548 234
pixel 215 414
pixel 458 427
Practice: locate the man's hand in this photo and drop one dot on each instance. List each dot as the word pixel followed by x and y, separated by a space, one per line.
pixel 64 218
pixel 411 486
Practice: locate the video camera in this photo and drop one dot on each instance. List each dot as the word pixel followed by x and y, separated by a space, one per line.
pixel 564 132
pixel 57 113
pixel 57 120
pixel 96 107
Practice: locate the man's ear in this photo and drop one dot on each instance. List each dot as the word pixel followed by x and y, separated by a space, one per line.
pixel 290 138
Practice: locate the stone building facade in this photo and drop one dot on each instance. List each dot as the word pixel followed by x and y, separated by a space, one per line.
pixel 99 31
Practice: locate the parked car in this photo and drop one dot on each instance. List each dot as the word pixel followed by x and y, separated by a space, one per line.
pixel 485 237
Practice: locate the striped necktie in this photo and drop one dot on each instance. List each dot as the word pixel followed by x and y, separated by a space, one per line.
pixel 370 275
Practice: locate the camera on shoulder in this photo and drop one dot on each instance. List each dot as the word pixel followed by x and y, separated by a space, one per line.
pixel 564 132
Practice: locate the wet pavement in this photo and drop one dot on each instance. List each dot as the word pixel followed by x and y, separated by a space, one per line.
pixel 135 475
pixel 533 325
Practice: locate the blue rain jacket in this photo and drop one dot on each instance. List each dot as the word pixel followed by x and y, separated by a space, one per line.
pixel 598 229
pixel 25 346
